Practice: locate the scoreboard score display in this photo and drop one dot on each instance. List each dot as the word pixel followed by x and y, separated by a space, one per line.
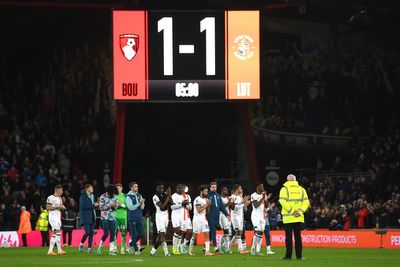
pixel 194 56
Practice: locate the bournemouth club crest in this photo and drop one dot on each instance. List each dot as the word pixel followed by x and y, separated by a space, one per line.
pixel 129 44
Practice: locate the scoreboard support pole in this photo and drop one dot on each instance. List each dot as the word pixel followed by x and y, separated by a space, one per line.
pixel 119 143
pixel 254 173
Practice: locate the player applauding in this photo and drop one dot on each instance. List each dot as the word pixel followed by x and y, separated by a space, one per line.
pixel 200 223
pixel 239 205
pixel 161 201
pixel 180 213
pixel 54 205
pixel 258 217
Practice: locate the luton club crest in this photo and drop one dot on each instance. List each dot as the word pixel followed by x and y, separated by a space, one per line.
pixel 243 47
pixel 129 44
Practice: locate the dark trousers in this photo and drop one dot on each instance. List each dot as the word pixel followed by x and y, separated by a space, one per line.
pixel 213 231
pixel 296 229
pixel 267 233
pixel 108 228
pixel 136 230
pixel 24 240
pixel 89 232
pixel 69 233
pixel 45 238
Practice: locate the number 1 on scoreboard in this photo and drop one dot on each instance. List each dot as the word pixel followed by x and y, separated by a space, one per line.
pixel 207 25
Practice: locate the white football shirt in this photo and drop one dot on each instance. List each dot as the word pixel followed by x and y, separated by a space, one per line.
pixel 199 201
pixel 156 199
pixel 239 205
pixel 260 210
pixel 54 202
pixel 177 201
pixel 225 201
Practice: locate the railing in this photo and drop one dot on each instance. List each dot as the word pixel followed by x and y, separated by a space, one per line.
pixel 302 139
pixel 341 175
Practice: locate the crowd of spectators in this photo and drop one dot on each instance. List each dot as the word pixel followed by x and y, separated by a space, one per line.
pixel 329 92
pixel 353 202
pixel 350 93
pixel 55 131
pixel 48 136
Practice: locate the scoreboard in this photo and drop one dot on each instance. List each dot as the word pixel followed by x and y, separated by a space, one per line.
pixel 189 56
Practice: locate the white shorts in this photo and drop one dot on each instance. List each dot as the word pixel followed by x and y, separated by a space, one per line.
pixel 200 225
pixel 258 223
pixel 183 224
pixel 55 224
pixel 176 221
pixel 237 223
pixel 186 225
pixel 224 222
pixel 162 221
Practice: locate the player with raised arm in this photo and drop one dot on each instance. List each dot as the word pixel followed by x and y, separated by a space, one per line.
pixel 200 222
pixel 161 201
pixel 187 222
pixel 54 205
pixel 258 217
pixel 179 216
pixel 121 216
pixel 239 205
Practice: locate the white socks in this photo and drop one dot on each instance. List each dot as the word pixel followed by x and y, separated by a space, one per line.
pixel 58 242
pixel 239 242
pixel 101 243
pixel 52 243
pixel 257 241
pixel 165 248
pixel 176 241
pixel 184 244
pixel 207 243
pixel 226 240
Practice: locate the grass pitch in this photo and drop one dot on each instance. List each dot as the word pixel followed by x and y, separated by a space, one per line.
pixel 32 257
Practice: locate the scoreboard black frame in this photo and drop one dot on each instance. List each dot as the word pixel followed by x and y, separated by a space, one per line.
pixel 186 56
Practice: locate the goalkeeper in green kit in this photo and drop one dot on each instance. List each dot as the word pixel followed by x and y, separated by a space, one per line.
pixel 121 217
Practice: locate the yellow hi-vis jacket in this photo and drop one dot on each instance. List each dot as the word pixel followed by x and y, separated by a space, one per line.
pixel 293 198
pixel 43 222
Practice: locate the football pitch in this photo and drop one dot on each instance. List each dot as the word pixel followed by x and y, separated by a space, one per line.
pixel 314 257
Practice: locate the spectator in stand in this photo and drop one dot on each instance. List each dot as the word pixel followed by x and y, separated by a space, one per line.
pixel 4 218
pixel 346 220
pixel 41 179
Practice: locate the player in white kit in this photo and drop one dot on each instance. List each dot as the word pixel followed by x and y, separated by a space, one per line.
pixel 180 218
pixel 258 217
pixel 225 222
pixel 161 201
pixel 200 222
pixel 187 225
pixel 239 205
pixel 55 205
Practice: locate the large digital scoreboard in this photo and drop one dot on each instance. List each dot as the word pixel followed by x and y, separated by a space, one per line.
pixel 194 56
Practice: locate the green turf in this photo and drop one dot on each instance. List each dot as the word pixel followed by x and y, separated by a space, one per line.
pixel 314 257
